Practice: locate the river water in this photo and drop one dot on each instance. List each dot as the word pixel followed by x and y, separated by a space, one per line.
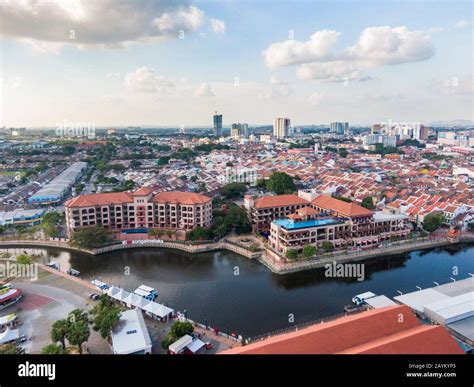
pixel 243 297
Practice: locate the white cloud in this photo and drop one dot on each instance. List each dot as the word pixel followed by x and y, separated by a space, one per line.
pixel 375 47
pixel 384 45
pixel 184 18
pixel 145 80
pixel 276 89
pixel 204 90
pixel 217 26
pixel 461 24
pixel 48 25
pixel 291 52
pixel 330 71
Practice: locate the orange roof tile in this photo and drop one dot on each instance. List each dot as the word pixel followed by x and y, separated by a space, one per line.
pixel 143 191
pixel 99 199
pixel 177 197
pixel 340 206
pixel 374 331
pixel 279 201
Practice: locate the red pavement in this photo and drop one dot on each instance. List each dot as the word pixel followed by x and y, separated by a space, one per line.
pixel 33 301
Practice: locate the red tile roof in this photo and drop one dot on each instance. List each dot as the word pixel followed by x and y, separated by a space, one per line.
pixel 279 201
pixel 99 199
pixel 177 197
pixel 374 331
pixel 143 191
pixel 348 209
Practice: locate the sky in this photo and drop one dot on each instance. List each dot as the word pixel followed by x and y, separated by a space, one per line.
pixel 173 63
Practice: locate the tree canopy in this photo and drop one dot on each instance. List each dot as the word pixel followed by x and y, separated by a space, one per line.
pixel 433 221
pixel 280 183
pixel 90 237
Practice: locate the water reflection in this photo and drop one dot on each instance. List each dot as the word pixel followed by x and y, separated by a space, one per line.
pixel 255 300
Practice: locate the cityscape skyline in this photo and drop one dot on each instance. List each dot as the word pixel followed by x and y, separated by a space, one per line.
pixel 182 61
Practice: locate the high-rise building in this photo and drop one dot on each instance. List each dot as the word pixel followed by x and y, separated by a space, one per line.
pixel 281 127
pixel 217 124
pixel 376 129
pixel 421 132
pixel 340 128
pixel 239 130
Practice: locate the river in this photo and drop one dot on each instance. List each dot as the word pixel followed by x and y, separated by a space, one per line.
pixel 242 296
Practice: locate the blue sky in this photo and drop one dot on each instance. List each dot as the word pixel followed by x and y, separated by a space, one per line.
pixel 404 61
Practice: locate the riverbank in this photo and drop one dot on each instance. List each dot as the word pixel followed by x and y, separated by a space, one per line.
pixel 266 257
pixel 273 262
pixel 189 248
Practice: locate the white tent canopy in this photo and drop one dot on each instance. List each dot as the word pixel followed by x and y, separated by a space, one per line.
pixel 113 291
pixel 131 299
pixel 9 335
pixel 140 302
pixel 158 309
pixel 8 318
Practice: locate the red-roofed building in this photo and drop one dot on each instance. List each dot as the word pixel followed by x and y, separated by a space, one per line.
pixel 390 330
pixel 265 209
pixel 139 209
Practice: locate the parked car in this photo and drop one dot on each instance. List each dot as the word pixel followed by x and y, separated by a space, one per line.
pixel 208 345
pixel 94 297
pixel 22 339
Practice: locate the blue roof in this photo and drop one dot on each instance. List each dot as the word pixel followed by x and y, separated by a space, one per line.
pixel 290 225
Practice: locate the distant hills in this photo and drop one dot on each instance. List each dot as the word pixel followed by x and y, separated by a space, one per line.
pixel 451 123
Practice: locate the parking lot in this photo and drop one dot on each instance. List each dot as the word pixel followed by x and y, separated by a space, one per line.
pixel 52 297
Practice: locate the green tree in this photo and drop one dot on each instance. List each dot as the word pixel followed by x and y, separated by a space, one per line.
pixel 327 246
pixel 368 203
pixel 199 233
pixel 104 315
pixel 261 183
pixel 343 152
pixel 433 221
pixel 178 330
pixel 233 190
pixel 90 237
pixel 58 332
pixel 470 226
pixel 23 259
pixel 202 187
pixel 309 251
pixel 280 183
pixel 135 164
pixel 291 254
pixel 78 331
pixel 53 349
pixel 10 349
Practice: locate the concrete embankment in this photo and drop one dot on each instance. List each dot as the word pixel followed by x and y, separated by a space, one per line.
pixel 190 248
pixel 276 266
pixel 267 258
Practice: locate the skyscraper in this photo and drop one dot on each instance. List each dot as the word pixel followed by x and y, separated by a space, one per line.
pixel 217 124
pixel 239 130
pixel 281 127
pixel 340 128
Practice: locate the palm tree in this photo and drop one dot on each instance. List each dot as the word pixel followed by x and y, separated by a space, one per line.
pixel 59 330
pixel 53 349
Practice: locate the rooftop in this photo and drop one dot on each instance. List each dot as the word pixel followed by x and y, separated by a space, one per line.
pixel 340 206
pixel 129 334
pixel 377 331
pixel 279 201
pixel 288 224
